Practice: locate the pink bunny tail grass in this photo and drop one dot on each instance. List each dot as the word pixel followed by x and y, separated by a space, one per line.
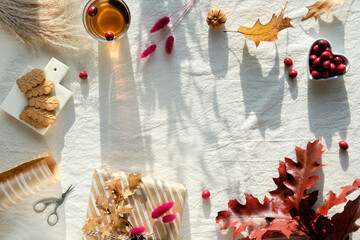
pixel 169 44
pixel 137 231
pixel 161 210
pixel 160 24
pixel 148 51
pixel 169 218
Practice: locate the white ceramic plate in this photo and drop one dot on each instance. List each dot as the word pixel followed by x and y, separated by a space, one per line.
pixel 15 101
pixel 345 61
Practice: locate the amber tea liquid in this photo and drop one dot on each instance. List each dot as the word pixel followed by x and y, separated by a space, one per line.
pixel 112 16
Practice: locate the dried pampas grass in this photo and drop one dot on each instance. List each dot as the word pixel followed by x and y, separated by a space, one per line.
pixel 53 24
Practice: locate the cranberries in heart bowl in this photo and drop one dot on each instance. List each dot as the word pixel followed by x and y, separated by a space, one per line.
pixel 324 64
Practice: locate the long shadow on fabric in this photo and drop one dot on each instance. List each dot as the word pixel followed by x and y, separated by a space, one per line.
pixel 122 143
pixel 218 52
pixel 328 109
pixel 262 95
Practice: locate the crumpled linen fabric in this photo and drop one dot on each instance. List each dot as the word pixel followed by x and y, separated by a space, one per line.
pixel 216 114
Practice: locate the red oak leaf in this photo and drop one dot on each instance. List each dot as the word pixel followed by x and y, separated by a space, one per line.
pixel 333 199
pixel 287 227
pixel 345 222
pixel 301 171
pixel 240 216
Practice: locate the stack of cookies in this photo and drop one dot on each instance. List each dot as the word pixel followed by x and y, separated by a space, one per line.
pixel 41 105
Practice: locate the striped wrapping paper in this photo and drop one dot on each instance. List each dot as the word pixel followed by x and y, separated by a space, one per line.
pixel 27 179
pixel 151 194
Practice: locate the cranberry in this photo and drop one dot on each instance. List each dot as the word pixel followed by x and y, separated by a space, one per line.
pixel 312 68
pixel 341 69
pixel 325 55
pixel 312 58
pixel 293 74
pixel 343 145
pixel 316 50
pixel 317 62
pixel 332 67
pixel 328 49
pixel 315 74
pixel 331 57
pixel 325 74
pixel 92 11
pixel 205 194
pixel 83 75
pixel 338 60
pixel 109 36
pixel 288 62
pixel 322 43
pixel 326 64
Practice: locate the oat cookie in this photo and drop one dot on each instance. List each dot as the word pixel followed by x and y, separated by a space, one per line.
pixel 42 116
pixel 32 122
pixel 46 102
pixel 30 80
pixel 44 88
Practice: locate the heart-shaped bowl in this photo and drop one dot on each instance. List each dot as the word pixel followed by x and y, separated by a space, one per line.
pixel 345 61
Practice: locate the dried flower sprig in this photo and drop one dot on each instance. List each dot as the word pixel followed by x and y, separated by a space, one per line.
pixel 162 23
pixel 119 228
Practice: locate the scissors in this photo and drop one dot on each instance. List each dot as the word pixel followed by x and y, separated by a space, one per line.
pixel 43 204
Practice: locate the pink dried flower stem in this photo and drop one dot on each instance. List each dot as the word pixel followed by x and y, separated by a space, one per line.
pixel 177 23
pixel 188 6
pixel 181 8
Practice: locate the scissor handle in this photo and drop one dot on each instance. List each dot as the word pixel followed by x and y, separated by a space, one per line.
pixel 42 205
pixel 54 222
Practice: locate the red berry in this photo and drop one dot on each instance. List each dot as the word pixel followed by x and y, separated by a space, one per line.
pixel 92 11
pixel 312 58
pixel 293 73
pixel 312 68
pixel 322 43
pixel 288 62
pixel 109 36
pixel 325 74
pixel 325 55
pixel 326 64
pixel 332 67
pixel 316 50
pixel 317 62
pixel 315 74
pixel 338 60
pixel 341 69
pixel 331 57
pixel 328 49
pixel 83 75
pixel 205 194
pixel 343 145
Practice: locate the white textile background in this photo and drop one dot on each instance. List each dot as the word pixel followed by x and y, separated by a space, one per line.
pixel 217 114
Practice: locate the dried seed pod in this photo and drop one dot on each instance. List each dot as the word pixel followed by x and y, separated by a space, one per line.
pixel 216 18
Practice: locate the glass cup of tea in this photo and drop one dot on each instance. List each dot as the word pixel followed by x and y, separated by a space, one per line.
pixel 106 20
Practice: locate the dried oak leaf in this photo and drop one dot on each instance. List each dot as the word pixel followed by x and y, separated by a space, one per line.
pixel 91 224
pixel 113 185
pixel 268 32
pixel 134 181
pixel 345 222
pixel 333 199
pixel 121 209
pixel 321 6
pixel 294 179
pixel 302 171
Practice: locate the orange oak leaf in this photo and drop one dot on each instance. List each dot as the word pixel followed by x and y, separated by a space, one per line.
pixel 321 6
pixel 268 32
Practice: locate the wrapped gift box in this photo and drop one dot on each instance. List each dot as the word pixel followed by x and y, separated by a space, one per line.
pixel 151 194
pixel 27 179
